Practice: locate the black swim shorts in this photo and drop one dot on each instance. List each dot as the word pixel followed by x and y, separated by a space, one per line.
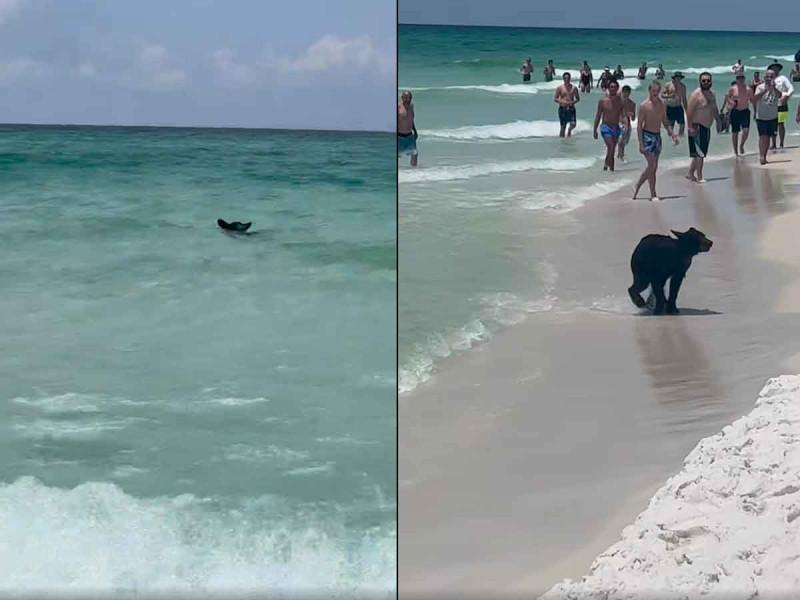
pixel 675 115
pixel 740 119
pixel 698 143
pixel 566 115
pixel 767 128
pixel 526 77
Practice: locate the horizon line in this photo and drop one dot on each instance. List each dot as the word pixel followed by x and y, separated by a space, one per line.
pixel 749 32
pixel 225 127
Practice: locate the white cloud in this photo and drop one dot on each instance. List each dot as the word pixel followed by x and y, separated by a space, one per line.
pixel 232 73
pixel 156 64
pixel 330 53
pixel 16 69
pixel 8 8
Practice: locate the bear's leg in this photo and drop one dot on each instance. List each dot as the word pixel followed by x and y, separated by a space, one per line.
pixel 640 284
pixel 674 287
pixel 661 301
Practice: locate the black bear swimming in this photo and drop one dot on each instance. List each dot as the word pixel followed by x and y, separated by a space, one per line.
pixel 658 258
pixel 235 226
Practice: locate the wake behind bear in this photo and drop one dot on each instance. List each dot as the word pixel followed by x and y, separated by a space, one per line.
pixel 660 257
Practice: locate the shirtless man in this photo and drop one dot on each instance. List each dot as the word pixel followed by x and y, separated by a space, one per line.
pixel 567 97
pixel 549 71
pixel 527 69
pixel 610 110
pixel 406 128
pixel 738 101
pixel 796 72
pixel 652 115
pixel 660 71
pixel 587 81
pixel 674 96
pixel 700 114
pixel 619 73
pixel 738 68
pixel 630 116
pixel 642 71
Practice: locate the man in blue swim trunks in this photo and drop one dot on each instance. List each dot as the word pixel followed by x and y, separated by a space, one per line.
pixel 652 115
pixel 406 128
pixel 609 109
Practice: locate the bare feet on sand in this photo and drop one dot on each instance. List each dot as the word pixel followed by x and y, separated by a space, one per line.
pixel 691 178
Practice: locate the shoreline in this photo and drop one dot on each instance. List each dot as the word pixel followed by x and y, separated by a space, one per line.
pixel 480 396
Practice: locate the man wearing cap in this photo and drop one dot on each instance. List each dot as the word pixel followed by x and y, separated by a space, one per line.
pixel 674 96
pixel 784 86
pixel 738 101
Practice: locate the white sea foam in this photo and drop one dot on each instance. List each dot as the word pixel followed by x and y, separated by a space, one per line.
pixel 501 309
pixel 726 526
pixel 563 198
pixel 719 69
pixel 230 401
pixel 65 429
pixel 502 88
pixel 260 454
pixel 517 130
pixel 471 171
pixel 73 402
pixel 96 541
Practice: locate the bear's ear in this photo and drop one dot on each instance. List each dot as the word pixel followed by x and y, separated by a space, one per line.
pixel 677 234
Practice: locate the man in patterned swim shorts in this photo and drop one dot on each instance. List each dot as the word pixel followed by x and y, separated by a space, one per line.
pixel 609 109
pixel 652 115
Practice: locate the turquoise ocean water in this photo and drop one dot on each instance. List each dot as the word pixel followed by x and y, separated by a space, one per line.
pixel 184 410
pixel 492 168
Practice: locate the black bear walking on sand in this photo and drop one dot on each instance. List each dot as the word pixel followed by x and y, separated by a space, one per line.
pixel 658 258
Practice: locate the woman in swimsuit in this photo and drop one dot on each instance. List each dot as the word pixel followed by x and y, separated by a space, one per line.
pixel 586 78
pixel 796 72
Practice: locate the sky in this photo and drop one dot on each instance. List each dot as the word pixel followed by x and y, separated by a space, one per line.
pixel 298 64
pixel 728 15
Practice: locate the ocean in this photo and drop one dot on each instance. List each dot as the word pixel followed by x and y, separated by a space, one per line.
pixel 185 410
pixel 493 173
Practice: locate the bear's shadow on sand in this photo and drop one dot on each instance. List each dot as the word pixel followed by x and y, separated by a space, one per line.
pixel 685 312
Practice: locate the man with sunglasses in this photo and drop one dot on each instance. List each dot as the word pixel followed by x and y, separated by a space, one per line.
pixel 700 114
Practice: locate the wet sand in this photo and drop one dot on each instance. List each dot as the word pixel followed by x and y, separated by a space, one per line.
pixel 524 458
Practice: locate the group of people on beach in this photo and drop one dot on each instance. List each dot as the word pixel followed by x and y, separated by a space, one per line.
pixel 667 107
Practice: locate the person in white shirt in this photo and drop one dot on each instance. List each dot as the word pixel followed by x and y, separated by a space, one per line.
pixel 785 87
pixel 738 68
